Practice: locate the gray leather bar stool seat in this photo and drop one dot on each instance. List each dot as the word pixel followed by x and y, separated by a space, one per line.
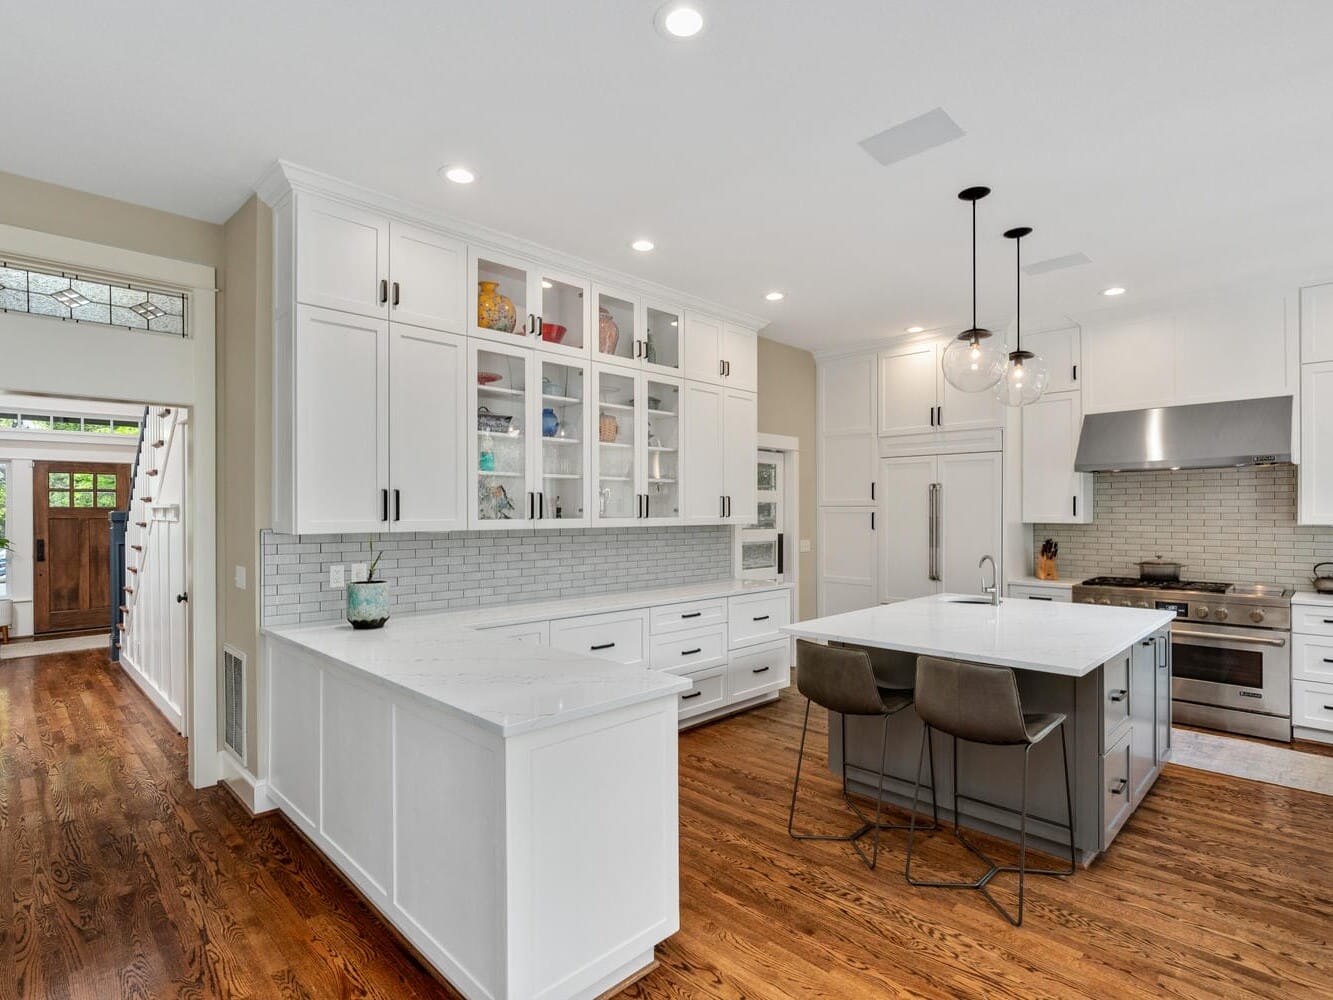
pixel 844 679
pixel 980 704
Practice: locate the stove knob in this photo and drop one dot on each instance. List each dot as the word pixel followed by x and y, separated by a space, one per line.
pixel 1104 600
pixel 1256 615
pixel 1221 614
pixel 1201 612
pixel 1143 604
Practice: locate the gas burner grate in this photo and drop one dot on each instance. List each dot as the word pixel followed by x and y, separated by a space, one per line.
pixel 1137 583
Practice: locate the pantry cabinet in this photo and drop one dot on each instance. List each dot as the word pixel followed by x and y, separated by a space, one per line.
pixel 1316 305
pixel 915 398
pixel 1315 473
pixel 848 559
pixel 847 455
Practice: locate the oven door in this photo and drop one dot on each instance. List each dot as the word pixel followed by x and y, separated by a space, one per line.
pixel 1240 668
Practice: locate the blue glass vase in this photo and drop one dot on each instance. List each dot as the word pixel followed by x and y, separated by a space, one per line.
pixel 550 423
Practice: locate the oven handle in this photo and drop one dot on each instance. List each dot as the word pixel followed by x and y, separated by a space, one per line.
pixel 1250 640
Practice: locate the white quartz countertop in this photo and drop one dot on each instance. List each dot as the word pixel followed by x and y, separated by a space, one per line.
pixel 501 684
pixel 1068 639
pixel 1032 581
pixel 1312 597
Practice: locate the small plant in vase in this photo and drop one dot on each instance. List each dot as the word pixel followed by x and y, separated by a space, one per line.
pixel 368 599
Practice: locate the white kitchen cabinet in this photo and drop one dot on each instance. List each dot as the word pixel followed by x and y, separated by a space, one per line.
pixel 721 445
pixel 740 449
pixel 341 256
pixel 1061 350
pixel 847 456
pixel 533 633
pixel 1052 491
pixel 527 466
pixel 1128 364
pixel 1315 472
pixel 552 310
pixel 1317 323
pixel 740 358
pixel 940 514
pixel 664 338
pixel 721 353
pixel 639 333
pixel 915 398
pixel 848 559
pixel 428 374
pixel 637 455
pixel 425 279
pixel 621 636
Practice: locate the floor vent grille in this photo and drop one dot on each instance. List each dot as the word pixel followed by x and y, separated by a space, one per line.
pixel 233 701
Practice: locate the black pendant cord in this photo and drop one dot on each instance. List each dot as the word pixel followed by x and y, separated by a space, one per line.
pixel 974 272
pixel 1017 236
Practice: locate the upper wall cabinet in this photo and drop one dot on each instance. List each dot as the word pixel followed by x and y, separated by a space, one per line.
pixel 1060 350
pixel 1052 491
pixel 638 333
pixel 847 454
pixel 516 301
pixel 721 353
pixel 914 397
pixel 740 358
pixel 1317 323
pixel 355 261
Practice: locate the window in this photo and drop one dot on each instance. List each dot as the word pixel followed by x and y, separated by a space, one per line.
pixel 81 489
pixel 68 424
pixel 83 299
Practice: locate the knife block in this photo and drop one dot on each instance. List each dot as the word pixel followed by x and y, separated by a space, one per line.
pixel 1046 569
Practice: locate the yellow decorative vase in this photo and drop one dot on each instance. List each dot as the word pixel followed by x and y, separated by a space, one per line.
pixel 494 311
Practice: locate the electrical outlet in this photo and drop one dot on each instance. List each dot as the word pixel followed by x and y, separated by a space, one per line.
pixel 358 572
pixel 240 577
pixel 805 545
pixel 337 576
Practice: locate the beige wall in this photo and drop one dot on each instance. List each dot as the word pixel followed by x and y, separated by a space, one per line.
pixel 244 350
pixel 787 406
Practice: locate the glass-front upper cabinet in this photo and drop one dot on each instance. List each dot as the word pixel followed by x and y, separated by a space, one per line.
pixel 662 449
pixel 563 448
pixel 513 300
pixel 615 457
pixel 499 452
pixel 637 333
pixel 662 338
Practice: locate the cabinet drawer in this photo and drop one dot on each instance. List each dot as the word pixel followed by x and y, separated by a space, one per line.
pixel 621 636
pixel 1115 789
pixel 1309 619
pixel 1033 593
pixel 1312 705
pixel 759 670
pixel 756 619
pixel 1115 698
pixel 686 652
pixel 537 633
pixel 709 692
pixel 1312 659
pixel 690 615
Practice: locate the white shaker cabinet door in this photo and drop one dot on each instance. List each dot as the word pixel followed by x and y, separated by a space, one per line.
pixel 740 353
pixel 904 528
pixel 703 452
pixel 847 455
pixel 341 454
pixel 740 449
pixel 848 559
pixel 427 430
pixel 907 389
pixel 966 411
pixel 1060 350
pixel 342 257
pixel 1316 469
pixel 1317 323
pixel 703 348
pixel 969 518
pixel 1052 491
pixel 428 279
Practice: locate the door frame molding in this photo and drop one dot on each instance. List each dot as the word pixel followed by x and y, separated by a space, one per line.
pixel 137 367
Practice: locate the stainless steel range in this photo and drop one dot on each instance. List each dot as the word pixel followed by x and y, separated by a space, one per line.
pixel 1230 649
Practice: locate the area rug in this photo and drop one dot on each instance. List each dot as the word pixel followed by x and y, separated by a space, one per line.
pixel 1276 765
pixel 18 650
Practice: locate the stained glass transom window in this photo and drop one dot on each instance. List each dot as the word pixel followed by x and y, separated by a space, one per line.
pixel 89 300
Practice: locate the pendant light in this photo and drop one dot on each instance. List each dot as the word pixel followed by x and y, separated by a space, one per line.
pixel 1025 374
pixel 974 360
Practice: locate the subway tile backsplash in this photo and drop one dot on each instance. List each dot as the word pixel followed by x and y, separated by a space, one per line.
pixel 468 569
pixel 1236 525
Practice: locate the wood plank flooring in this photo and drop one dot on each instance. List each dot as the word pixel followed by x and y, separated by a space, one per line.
pixel 119 880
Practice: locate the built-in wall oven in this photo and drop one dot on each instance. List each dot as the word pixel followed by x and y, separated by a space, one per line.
pixel 1230 651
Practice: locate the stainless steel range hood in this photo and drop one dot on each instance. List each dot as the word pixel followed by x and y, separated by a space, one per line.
pixel 1200 436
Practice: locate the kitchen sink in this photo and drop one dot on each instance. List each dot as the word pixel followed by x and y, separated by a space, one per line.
pixel 968 600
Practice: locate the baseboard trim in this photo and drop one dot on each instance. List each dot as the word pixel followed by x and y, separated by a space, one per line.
pixel 249 790
pixel 141 681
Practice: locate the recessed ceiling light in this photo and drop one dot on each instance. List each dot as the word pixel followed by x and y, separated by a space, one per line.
pixel 679 20
pixel 775 296
pixel 1114 290
pixel 916 329
pixel 458 173
pixel 643 246
pixel 547 284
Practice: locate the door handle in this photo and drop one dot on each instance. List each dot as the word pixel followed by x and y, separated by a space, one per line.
pixel 384 290
pixel 39 550
pixel 1247 640
pixel 722 506
pixel 541 506
pixel 384 505
pixel 721 368
pixel 397 505
pixel 396 297
pixel 182 598
pixel 603 645
pixel 647 505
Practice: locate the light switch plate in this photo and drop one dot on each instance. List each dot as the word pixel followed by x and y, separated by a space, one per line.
pixel 337 576
pixel 240 577
pixel 358 572
pixel 805 545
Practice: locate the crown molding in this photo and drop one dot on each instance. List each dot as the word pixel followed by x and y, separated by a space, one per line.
pixel 282 178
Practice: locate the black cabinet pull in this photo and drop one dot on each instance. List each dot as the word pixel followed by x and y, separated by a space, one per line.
pixel 728 506
pixel 1328 659
pixel 604 645
pixel 761 618
pixel 1031 598
pixel 1076 373
pixel 1328 708
pixel 1328 621
pixel 541 506
pixel 722 506
pixel 759 670
pixel 384 505
pixel 1075 499
pixel 692 614
pixel 691 652
pixel 397 298
pixel 1118 695
pixel 182 598
pixel 872 489
pixel 397 505
pixel 872 520
pixel 647 505
pixel 538 331
pixel 1119 787
pixel 532 324
pixel 721 367
pixel 384 290
pixel 939 416
pixel 692 694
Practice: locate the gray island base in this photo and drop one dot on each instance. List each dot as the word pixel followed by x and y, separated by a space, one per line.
pixel 1108 670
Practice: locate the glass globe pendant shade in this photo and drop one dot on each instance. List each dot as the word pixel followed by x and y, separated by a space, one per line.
pixel 974 361
pixel 1024 379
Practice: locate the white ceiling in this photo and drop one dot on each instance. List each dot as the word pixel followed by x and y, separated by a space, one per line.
pixel 1181 145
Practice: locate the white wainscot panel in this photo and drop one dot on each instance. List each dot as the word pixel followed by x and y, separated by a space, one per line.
pixel 294 680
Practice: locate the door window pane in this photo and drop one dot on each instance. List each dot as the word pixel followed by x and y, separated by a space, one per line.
pixel 562 313
pixel 106 481
pixel 767 515
pixel 616 411
pixel 97 426
pixel 83 498
pixel 563 393
pixel 662 346
pixel 502 488
pixel 502 298
pixel 57 480
pixel 83 481
pixel 106 500
pixel 67 424
pixel 57 499
pixel 768 476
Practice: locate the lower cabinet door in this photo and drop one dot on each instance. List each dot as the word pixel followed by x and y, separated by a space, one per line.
pixel 709 692
pixel 620 635
pixel 1116 791
pixel 536 633
pixel 759 670
pixel 1312 705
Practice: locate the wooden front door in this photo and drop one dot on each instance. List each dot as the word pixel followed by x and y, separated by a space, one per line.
pixel 72 542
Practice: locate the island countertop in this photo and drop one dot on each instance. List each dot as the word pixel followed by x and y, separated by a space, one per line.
pixel 1066 639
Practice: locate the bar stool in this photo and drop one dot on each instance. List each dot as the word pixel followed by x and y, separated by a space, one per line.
pixel 980 704
pixel 843 680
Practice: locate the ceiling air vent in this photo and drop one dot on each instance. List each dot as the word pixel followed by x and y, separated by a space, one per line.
pixel 916 135
pixel 1057 263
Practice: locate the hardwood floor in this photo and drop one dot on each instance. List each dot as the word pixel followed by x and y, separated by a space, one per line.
pixel 119 880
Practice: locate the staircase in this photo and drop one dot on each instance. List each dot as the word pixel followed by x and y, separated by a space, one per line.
pixel 150 623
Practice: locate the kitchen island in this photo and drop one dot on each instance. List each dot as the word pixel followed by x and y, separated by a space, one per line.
pixel 511 809
pixel 1107 669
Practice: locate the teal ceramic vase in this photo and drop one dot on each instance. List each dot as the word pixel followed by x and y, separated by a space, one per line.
pixel 368 604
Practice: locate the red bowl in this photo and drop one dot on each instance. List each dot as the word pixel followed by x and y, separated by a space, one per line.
pixel 553 332
pixel 486 378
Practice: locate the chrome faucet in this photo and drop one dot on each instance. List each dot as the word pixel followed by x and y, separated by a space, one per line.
pixel 994 589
